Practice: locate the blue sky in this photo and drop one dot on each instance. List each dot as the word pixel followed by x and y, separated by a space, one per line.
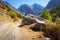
pixel 17 3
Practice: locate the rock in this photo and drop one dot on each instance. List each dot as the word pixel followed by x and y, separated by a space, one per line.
pixel 27 21
pixel 38 27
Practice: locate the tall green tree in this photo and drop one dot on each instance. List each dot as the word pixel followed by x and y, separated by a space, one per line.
pixel 46 14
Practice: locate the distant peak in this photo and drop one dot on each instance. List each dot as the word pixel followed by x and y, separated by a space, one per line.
pixel 35 4
pixel 25 4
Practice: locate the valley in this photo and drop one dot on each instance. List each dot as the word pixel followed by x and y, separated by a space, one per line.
pixel 38 23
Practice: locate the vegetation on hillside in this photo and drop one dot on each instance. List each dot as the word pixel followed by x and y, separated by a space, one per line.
pixel 11 12
pixel 52 15
pixel 56 14
pixel 52 31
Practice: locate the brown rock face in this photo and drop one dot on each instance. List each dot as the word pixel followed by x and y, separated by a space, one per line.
pixel 38 27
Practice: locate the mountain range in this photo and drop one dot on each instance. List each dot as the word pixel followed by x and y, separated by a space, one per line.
pixel 34 9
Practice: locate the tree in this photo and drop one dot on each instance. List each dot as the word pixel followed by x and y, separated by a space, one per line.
pixel 46 15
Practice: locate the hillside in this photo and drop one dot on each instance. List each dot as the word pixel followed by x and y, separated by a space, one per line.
pixel 56 14
pixel 52 4
pixel 53 16
pixel 7 10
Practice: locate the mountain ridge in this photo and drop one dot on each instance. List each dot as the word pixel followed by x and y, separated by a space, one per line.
pixel 33 9
pixel 37 8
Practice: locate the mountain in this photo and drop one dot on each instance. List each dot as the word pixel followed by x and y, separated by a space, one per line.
pixel 34 9
pixel 37 8
pixel 25 9
pixel 52 4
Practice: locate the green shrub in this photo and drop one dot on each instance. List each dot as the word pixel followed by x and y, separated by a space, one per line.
pixel 12 14
pixel 46 15
pixel 20 16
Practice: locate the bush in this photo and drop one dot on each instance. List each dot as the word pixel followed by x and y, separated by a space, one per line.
pixel 46 15
pixel 12 14
pixel 20 16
